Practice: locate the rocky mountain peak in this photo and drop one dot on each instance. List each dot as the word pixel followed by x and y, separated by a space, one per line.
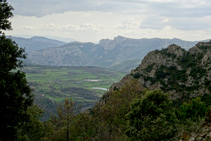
pixel 120 39
pixel 177 50
pixel 110 44
pixel 107 44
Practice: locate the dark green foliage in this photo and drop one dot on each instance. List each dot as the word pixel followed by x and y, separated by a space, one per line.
pixel 206 98
pixel 194 110
pixel 5 14
pixel 162 72
pixel 149 67
pixel 170 72
pixel 137 75
pixel 187 61
pixel 15 94
pixel 103 122
pixel 197 72
pixel 33 129
pixel 152 80
pixel 62 124
pixel 152 118
pixel 115 88
pixel 205 47
pixel 173 75
pixel 49 107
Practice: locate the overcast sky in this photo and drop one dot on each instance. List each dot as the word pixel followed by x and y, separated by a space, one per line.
pixel 92 20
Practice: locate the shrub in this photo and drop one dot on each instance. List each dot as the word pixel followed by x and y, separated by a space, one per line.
pixel 152 118
pixel 194 110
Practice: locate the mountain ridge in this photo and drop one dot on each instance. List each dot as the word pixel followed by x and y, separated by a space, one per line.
pixel 36 43
pixel 105 54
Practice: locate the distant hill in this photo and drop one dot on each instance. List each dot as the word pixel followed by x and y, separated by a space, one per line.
pixel 107 53
pixel 36 43
pixel 66 40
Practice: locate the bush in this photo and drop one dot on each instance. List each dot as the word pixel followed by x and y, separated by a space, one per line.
pixel 152 118
pixel 136 75
pixel 194 110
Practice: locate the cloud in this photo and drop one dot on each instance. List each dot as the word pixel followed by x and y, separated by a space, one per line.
pixel 182 23
pixel 41 8
pixel 66 27
pixel 154 22
pixel 182 8
pixel 96 19
pixel 201 23
pixel 167 8
pixel 128 24
pixel 29 28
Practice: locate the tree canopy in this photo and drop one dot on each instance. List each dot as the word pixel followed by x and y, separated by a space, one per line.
pixel 5 14
pixel 15 94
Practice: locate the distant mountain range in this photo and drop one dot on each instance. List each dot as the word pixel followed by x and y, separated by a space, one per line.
pixel 107 53
pixel 36 43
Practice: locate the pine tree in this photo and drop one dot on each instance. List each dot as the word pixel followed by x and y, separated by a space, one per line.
pixel 15 94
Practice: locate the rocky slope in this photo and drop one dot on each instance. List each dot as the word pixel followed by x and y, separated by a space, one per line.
pixel 106 53
pixel 174 70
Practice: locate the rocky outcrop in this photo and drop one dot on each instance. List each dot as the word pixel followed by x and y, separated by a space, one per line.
pixel 174 70
pixel 194 50
pixel 176 50
pixel 108 44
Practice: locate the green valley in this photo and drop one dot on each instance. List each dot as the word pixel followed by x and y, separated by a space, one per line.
pixel 57 83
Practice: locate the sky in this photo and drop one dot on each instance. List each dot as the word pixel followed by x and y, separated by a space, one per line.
pixel 92 20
